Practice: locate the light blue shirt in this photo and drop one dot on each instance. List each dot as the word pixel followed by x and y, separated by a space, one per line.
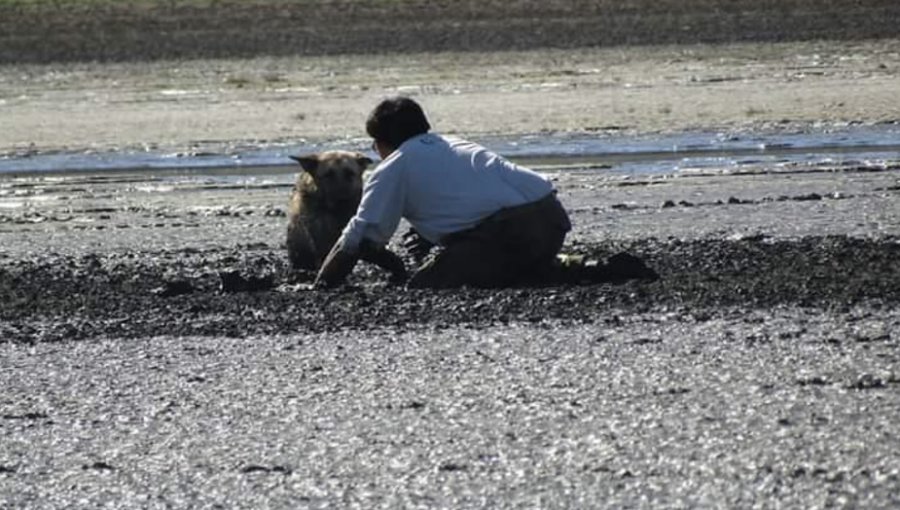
pixel 440 185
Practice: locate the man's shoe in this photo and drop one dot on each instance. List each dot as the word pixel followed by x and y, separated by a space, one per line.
pixel 576 269
pixel 621 267
pixel 624 266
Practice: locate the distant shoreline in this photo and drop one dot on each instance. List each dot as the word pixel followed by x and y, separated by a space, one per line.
pixel 234 106
pixel 60 31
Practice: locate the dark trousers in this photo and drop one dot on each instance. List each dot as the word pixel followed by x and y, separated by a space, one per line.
pixel 512 246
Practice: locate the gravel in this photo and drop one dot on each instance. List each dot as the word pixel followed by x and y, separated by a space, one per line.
pixel 782 408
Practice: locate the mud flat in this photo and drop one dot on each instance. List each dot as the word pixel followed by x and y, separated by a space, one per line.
pixel 132 256
pixel 157 352
pixel 231 106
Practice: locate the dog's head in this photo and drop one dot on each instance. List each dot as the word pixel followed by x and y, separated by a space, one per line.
pixel 337 174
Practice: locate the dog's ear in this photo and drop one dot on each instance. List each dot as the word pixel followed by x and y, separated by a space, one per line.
pixel 309 163
pixel 363 161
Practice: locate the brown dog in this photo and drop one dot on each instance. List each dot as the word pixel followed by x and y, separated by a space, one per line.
pixel 325 197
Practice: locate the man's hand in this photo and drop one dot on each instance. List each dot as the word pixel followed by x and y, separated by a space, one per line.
pixel 385 259
pixel 337 265
pixel 416 245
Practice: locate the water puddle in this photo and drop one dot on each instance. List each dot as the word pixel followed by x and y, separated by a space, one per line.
pixel 693 152
pixel 706 152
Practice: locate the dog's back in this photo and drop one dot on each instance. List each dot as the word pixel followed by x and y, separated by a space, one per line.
pixel 325 197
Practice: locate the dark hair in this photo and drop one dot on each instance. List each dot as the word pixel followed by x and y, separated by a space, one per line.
pixel 396 120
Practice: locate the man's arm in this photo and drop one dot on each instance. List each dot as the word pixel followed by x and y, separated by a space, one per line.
pixel 337 265
pixel 369 230
pixel 340 262
pixel 385 259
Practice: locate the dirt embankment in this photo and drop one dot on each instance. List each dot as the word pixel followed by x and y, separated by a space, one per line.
pixel 39 32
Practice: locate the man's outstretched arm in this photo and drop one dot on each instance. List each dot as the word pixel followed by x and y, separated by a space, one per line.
pixel 337 265
pixel 384 258
pixel 340 262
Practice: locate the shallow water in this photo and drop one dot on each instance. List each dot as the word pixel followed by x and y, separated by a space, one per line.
pixel 640 154
pixel 633 155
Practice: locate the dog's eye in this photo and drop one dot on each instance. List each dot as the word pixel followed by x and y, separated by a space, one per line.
pixel 349 174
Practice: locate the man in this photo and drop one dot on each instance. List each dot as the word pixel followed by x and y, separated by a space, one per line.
pixel 497 224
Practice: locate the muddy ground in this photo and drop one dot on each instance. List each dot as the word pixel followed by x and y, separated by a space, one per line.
pixel 157 353
pixel 248 291
pixel 127 257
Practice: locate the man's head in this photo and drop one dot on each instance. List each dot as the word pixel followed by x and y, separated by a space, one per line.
pixel 396 120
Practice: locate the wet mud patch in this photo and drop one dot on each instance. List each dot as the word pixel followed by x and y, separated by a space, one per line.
pixel 250 290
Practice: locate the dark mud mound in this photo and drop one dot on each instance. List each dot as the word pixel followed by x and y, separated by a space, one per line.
pixel 60 30
pixel 190 292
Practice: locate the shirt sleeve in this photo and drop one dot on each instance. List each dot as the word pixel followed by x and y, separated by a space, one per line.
pixel 380 209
